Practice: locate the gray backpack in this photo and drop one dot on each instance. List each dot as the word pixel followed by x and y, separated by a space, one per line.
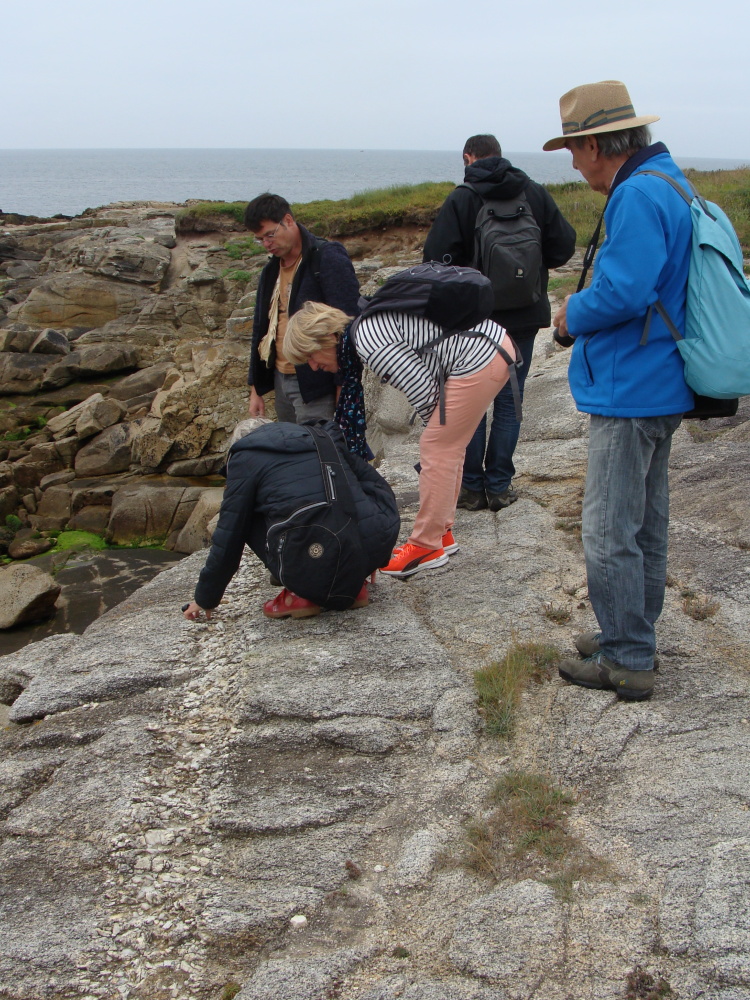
pixel 508 250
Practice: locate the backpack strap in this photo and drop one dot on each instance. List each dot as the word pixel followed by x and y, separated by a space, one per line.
pixel 315 256
pixel 336 485
pixel 513 365
pixel 658 306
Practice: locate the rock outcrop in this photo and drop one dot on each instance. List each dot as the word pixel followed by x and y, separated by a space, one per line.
pixel 284 805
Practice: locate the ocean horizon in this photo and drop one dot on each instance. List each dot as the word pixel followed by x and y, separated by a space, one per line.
pixel 46 182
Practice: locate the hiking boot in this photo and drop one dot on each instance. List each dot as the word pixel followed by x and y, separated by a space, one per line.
pixel 409 559
pixel 471 499
pixel 599 672
pixel 498 501
pixel 450 546
pixel 587 644
pixel 289 605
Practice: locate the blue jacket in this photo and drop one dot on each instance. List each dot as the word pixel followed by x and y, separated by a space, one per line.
pixel 644 257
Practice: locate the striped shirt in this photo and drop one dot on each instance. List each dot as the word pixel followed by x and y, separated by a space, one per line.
pixel 388 343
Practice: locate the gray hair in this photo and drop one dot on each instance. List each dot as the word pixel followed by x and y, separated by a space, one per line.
pixel 245 427
pixel 624 142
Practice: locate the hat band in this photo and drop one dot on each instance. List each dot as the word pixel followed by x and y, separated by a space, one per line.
pixel 600 118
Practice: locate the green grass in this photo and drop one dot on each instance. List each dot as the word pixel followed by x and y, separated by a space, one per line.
pixel 730 189
pixel 240 249
pixel 78 540
pixel 500 685
pixel 525 834
pixel 405 204
pixel 232 274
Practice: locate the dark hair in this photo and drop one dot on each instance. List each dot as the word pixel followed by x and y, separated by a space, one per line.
pixel 266 206
pixel 481 146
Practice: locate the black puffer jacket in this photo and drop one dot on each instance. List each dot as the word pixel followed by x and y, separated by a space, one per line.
pixel 452 232
pixel 270 473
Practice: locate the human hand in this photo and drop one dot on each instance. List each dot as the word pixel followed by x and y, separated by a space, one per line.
pixel 256 407
pixel 560 323
pixel 192 611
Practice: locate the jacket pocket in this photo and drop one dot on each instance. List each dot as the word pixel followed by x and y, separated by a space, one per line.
pixel 588 375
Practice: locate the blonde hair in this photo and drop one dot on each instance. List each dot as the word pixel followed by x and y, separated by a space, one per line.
pixel 314 327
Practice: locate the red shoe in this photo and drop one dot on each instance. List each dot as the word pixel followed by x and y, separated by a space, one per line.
pixel 409 559
pixel 450 546
pixel 363 597
pixel 289 605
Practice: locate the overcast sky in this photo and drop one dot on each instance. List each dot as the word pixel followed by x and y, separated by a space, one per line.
pixel 382 74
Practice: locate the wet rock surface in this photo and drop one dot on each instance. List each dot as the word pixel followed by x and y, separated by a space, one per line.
pixel 187 789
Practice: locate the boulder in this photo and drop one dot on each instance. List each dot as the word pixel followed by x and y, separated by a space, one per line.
pixel 93 519
pixel 57 478
pixel 18 338
pixel 77 299
pixel 141 382
pixel 50 342
pixel 53 510
pixel 197 412
pixel 22 374
pixel 87 362
pixel 26 594
pixel 195 534
pixel 107 453
pixel 25 548
pixel 124 257
pixel 150 513
pixel 97 414
pixel 9 500
pixel 207 465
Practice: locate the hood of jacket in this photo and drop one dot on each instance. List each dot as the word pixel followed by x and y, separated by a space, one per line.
pixel 286 438
pixel 496 177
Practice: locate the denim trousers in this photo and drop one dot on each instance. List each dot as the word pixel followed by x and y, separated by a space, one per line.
pixel 625 528
pixel 291 407
pixel 488 465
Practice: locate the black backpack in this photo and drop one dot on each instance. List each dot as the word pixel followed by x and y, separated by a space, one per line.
pixel 317 552
pixel 508 249
pixel 454 298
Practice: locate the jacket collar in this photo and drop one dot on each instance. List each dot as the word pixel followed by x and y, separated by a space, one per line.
pixel 635 161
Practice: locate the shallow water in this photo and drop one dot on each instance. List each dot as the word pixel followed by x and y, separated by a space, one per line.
pixel 92 582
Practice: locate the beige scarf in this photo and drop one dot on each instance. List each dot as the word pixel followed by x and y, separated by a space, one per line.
pixel 264 348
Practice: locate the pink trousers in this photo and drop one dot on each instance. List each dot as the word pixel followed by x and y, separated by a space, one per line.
pixel 443 446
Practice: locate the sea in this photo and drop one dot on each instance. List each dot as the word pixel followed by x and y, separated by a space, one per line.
pixel 46 182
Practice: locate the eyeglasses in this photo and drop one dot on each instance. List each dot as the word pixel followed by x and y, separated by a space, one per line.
pixel 262 240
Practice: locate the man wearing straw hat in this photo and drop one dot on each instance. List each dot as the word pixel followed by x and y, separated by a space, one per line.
pixel 632 384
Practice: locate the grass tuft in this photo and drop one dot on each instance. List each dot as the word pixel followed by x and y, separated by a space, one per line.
pixel 641 985
pixel 499 686
pixel 525 834
pixel 697 606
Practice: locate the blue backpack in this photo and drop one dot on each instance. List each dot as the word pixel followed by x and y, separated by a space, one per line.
pixel 716 345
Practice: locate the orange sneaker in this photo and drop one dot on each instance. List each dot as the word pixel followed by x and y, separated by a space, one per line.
pixel 289 605
pixel 409 559
pixel 450 546
pixel 363 597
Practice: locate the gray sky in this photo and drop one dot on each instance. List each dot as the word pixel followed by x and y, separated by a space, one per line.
pixel 383 74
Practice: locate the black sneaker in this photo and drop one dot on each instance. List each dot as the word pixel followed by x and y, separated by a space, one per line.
pixel 599 672
pixel 498 501
pixel 471 499
pixel 587 644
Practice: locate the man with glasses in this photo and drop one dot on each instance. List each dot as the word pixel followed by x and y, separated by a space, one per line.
pixel 302 268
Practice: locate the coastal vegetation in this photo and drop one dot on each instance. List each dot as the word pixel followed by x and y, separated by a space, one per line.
pixel 417 204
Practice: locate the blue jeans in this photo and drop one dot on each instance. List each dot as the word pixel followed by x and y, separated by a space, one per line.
pixel 488 466
pixel 625 525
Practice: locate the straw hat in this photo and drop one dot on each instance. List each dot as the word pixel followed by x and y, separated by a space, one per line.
pixel 597 107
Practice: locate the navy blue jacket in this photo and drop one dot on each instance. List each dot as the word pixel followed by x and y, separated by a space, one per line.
pixel 452 232
pixel 337 286
pixel 273 471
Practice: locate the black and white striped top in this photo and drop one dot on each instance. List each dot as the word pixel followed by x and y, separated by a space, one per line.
pixel 388 343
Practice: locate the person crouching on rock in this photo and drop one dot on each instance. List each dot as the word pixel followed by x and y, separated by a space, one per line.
pixel 283 481
pixel 389 343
